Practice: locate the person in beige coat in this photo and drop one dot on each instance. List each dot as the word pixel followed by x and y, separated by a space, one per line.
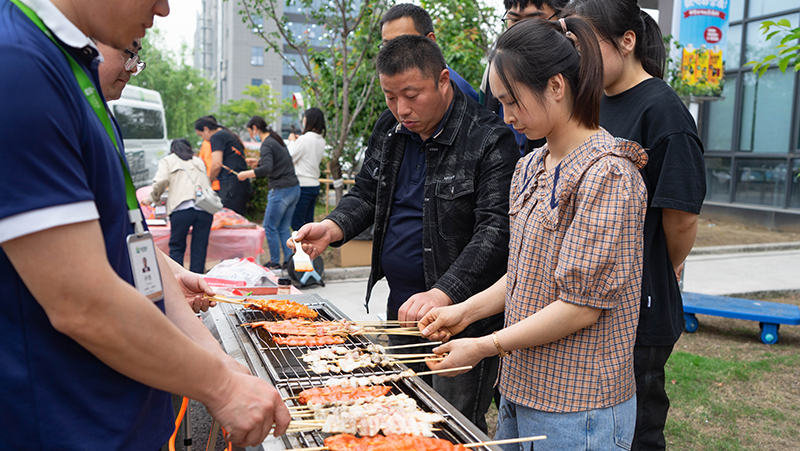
pixel 176 172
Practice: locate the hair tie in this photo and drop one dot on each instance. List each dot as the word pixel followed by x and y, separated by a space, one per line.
pixel 567 33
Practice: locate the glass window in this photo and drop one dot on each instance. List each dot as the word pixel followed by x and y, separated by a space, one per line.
pixel 256 56
pixel 766 124
pixel 297 62
pixel 795 194
pixel 761 182
pixel 736 10
pixel 720 117
pixel 718 179
pixel 256 82
pixel 258 24
pixel 761 7
pixel 734 51
pixel 757 48
pixel 139 123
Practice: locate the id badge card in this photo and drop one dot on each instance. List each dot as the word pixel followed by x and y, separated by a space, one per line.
pixel 146 276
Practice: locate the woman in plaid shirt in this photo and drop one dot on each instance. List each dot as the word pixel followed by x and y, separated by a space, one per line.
pixel 571 293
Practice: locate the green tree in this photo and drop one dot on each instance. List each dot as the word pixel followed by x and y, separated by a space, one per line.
pixel 784 54
pixel 464 32
pixel 263 101
pixel 186 94
pixel 336 69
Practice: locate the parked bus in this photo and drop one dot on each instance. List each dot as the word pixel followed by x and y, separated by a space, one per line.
pixel 140 114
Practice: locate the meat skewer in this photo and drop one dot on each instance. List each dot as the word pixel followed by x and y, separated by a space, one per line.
pixel 317 328
pixel 348 442
pixel 343 359
pixel 282 307
pixel 395 414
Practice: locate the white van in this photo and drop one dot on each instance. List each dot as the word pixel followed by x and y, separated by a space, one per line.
pixel 140 114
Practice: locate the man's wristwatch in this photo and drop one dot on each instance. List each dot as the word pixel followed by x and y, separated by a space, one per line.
pixel 502 352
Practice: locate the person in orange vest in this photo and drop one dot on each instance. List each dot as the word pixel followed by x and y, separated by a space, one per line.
pixel 205 155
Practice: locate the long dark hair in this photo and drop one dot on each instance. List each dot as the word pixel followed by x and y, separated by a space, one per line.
pixel 182 149
pixel 612 18
pixel 211 123
pixel 262 126
pixel 535 50
pixel 315 121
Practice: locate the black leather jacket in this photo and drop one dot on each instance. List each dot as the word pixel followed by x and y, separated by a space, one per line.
pixel 469 165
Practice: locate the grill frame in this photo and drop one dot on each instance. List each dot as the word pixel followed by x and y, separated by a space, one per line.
pixel 248 349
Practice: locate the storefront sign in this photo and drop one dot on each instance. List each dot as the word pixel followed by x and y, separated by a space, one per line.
pixel 704 35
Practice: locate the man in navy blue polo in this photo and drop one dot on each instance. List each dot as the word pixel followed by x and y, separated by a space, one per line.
pixel 88 361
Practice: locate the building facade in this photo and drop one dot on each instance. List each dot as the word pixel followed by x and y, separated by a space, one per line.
pixel 233 52
pixel 752 133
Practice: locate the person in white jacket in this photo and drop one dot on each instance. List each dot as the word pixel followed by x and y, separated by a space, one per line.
pixel 307 153
pixel 176 172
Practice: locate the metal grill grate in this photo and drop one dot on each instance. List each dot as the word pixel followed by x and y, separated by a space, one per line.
pixel 285 362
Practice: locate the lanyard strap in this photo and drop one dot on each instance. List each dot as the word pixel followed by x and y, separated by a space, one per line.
pixel 90 92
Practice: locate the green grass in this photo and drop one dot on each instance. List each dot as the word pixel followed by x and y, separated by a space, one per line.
pixel 704 415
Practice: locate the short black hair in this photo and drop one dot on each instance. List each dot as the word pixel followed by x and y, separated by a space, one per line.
pixel 410 51
pixel 182 149
pixel 557 5
pixel 422 20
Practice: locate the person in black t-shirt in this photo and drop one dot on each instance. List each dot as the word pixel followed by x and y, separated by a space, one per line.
pixel 227 156
pixel 638 105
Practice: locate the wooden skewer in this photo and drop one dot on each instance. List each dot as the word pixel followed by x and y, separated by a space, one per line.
pixel 506 441
pixel 436 359
pixel 290 397
pixel 408 356
pixel 460 368
pixel 413 345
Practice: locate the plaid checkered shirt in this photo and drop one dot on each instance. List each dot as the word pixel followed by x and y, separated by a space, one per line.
pixel 576 235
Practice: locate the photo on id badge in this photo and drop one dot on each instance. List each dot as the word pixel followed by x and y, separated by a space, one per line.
pixel 144 266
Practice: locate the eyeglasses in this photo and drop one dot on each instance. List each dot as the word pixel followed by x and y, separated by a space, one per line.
pixel 134 65
pixel 511 21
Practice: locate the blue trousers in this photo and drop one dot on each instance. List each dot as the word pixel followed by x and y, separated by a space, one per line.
pixel 304 213
pixel 200 222
pixel 609 429
pixel 281 203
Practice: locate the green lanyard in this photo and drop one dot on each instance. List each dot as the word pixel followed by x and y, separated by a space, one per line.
pixel 96 103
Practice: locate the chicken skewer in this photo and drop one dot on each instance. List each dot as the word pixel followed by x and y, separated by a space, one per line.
pixel 338 359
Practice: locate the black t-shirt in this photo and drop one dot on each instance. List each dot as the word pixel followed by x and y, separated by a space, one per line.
pixel 654 116
pixel 232 153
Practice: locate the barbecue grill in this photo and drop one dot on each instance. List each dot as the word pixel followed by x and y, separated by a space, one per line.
pixel 283 366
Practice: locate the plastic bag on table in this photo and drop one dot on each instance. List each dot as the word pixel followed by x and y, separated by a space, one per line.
pixel 228 218
pixel 239 270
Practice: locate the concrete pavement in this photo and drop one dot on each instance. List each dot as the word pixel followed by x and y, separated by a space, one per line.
pixel 719 270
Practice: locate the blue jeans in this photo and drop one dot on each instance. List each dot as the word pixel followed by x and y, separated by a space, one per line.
pixel 281 203
pixel 200 222
pixel 304 213
pixel 599 429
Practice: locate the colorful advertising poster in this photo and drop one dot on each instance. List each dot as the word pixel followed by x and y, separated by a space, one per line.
pixel 704 36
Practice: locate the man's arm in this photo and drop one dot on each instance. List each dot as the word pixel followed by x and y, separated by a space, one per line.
pixel 680 230
pixel 67 271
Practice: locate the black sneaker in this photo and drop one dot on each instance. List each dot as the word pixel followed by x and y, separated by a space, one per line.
pixel 271 265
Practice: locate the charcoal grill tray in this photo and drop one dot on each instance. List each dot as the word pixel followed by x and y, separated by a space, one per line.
pixel 284 368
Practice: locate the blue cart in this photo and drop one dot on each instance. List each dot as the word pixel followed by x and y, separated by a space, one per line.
pixel 770 315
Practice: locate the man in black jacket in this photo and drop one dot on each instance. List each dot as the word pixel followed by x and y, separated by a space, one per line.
pixel 435 184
